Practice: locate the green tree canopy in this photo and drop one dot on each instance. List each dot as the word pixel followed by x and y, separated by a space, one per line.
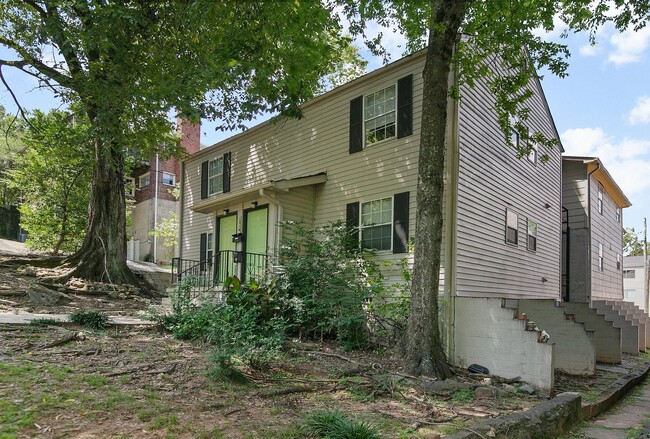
pixel 128 63
pixel 53 174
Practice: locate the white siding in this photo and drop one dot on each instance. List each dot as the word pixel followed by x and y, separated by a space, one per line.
pixel 491 180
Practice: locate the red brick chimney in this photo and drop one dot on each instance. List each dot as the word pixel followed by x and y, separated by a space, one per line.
pixel 190 135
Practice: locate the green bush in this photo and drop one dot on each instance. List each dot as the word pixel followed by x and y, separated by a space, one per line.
pixel 328 280
pixel 96 320
pixel 333 424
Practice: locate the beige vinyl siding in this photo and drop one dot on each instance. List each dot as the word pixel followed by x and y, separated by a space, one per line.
pixel 192 223
pixel 491 180
pixel 319 143
pixel 574 198
pixel 606 284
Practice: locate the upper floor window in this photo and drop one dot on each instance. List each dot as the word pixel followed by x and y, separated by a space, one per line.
pixel 379 115
pixel 600 198
pixel 629 274
pixel 215 176
pixel 144 180
pixel 377 224
pixel 600 256
pixel 618 214
pixel 532 235
pixel 382 114
pixel 532 155
pixel 168 178
pixel 618 261
pixel 512 227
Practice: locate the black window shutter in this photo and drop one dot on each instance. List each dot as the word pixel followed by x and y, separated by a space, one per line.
pixel 405 106
pixel 226 172
pixel 203 248
pixel 204 180
pixel 352 221
pixel 356 125
pixel 400 222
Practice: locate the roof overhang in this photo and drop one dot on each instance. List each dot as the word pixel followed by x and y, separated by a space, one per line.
pixel 218 201
pixel 598 170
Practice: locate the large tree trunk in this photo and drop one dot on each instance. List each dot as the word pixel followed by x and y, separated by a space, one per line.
pixel 102 256
pixel 425 352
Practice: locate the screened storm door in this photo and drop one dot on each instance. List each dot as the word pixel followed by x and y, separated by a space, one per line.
pixel 256 235
pixel 226 227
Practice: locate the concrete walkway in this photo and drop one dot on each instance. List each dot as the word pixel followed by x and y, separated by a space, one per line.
pixel 625 418
pixel 25 318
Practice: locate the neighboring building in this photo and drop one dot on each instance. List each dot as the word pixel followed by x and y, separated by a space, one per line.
pixel 635 280
pixel 150 187
pixel 354 157
pixel 592 266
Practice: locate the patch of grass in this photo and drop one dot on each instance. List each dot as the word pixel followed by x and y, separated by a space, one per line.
pixel 335 424
pixel 96 320
pixel 462 396
pixel 213 433
pixel 95 380
pixel 163 421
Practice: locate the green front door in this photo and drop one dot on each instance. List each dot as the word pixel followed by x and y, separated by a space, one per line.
pixel 226 226
pixel 256 234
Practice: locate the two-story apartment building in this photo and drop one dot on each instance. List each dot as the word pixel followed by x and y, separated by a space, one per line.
pixel 354 157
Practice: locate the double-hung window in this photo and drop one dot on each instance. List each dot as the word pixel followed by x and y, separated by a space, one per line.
pixel 168 179
pixel 376 226
pixel 532 235
pixel 600 256
pixel 532 154
pixel 215 176
pixel 629 274
pixel 129 186
pixel 618 214
pixel 618 261
pixel 600 198
pixel 209 249
pixel 379 115
pixel 144 180
pixel 512 227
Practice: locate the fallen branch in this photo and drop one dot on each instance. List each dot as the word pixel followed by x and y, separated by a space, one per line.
pixel 327 354
pixel 71 337
pixel 287 391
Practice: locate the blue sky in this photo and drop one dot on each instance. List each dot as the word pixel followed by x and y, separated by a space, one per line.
pixel 602 109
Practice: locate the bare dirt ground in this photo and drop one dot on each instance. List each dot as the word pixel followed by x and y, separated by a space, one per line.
pixel 133 382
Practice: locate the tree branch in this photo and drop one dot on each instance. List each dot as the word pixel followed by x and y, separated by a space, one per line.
pixel 36 7
pixel 43 68
pixel 13 95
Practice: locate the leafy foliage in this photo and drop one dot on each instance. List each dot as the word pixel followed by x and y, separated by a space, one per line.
pixel 53 174
pixel 633 243
pixel 334 424
pixel 96 320
pixel 167 230
pixel 11 132
pixel 331 278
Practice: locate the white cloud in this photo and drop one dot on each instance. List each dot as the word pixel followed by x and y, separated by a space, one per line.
pixel 589 50
pixel 627 160
pixel 629 46
pixel 640 113
pixel 559 26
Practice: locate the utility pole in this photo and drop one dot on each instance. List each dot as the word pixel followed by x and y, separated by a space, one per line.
pixel 646 277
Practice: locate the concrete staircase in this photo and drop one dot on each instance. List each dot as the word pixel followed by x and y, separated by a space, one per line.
pixel 634 323
pixel 575 341
pixel 608 337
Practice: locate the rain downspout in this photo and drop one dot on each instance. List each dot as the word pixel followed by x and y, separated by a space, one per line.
pixel 567 262
pixel 589 205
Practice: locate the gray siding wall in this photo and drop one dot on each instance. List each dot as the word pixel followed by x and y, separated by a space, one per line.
pixel 491 180
pixel 608 283
pixel 574 198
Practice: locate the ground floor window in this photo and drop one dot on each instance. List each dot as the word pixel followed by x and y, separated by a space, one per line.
pixel 377 224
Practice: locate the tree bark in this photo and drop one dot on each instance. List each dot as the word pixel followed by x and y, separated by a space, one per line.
pixel 425 352
pixel 102 255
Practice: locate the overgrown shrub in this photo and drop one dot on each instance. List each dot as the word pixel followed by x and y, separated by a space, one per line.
pixel 96 320
pixel 334 424
pixel 331 278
